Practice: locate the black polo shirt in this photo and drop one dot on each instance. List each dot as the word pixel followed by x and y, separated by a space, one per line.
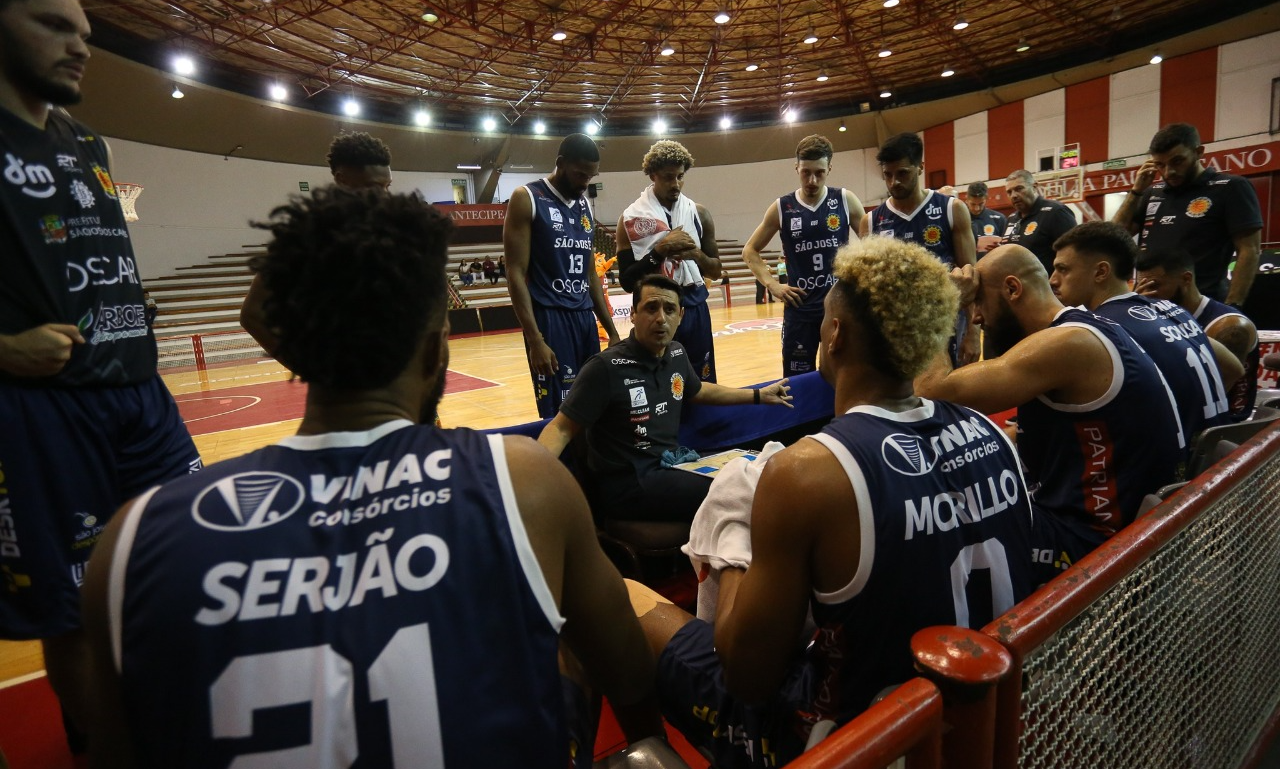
pixel 1200 217
pixel 1037 232
pixel 630 403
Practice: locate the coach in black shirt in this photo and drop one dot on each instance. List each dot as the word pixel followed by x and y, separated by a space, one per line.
pixel 1210 215
pixel 1037 221
pixel 629 398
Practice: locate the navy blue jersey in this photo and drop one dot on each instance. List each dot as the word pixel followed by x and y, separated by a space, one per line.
pixel 351 599
pixel 561 250
pixel 988 222
pixel 65 254
pixel 945 540
pixel 811 235
pixel 1097 460
pixel 929 225
pixel 1241 395
pixel 1181 352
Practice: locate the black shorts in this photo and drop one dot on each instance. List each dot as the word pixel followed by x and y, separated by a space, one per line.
pixel 694 700
pixel 68 459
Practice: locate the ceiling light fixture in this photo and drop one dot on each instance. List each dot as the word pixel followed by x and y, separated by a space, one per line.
pixel 468 167
pixel 183 65
pixel 822 76
pixel 350 107
pixel 948 72
pixel 890 3
pixel 422 118
pixel 789 115
pixel 659 126
pixel 960 24
pixel 753 67
pixel 885 93
pixel 843 127
pixel 1023 46
pixel 667 50
pixel 1156 58
pixel 722 17
pixel 539 128
pixel 810 38
pixel 559 35
pixel 177 92
pixel 489 124
pixel 429 16
pixel 885 53
pixel 278 92
pixel 593 128
pixel 725 123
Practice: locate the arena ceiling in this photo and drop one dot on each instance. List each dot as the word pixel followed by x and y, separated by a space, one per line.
pixel 497 58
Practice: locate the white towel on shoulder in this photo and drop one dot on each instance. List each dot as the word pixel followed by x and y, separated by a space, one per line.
pixel 646 223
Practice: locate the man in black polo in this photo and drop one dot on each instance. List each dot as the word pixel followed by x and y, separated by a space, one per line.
pixel 629 399
pixel 985 222
pixel 1037 221
pixel 1209 214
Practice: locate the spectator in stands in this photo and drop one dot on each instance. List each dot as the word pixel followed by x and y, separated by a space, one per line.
pixel 1170 275
pixel 357 161
pixel 1037 221
pixel 472 553
pixel 548 243
pixel 1096 425
pixel 629 399
pixel 502 267
pixel 826 532
pixel 985 222
pixel 1205 212
pixel 665 231
pixel 1091 270
pixel 490 270
pixel 464 273
pixel 477 271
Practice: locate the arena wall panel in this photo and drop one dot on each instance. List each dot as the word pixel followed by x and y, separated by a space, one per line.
pixel 1189 91
pixel 971 148
pixel 1088 108
pixel 1135 111
pixel 1043 125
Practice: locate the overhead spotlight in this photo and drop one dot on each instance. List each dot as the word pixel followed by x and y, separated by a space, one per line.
pixel 960 24
pixel 789 115
pixel 753 67
pixel 177 92
pixel 1156 58
pixel 539 128
pixel 184 65
pixel 667 50
pixel 351 107
pixel 948 72
pixel 489 124
pixel 422 118
pixel 885 53
pixel 659 126
pixel 885 93
pixel 429 17
pixel 1023 45
pixel 722 17
pixel 725 123
pixel 810 38
pixel 822 76
pixel 279 92
pixel 593 128
pixel 890 3
pixel 843 127
pixel 559 35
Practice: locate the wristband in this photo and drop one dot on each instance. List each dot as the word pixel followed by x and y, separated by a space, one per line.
pixel 757 393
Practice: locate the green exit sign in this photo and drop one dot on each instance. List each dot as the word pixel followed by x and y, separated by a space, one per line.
pixel 304 186
pixel 1121 163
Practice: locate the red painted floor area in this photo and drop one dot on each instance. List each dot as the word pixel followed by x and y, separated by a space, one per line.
pixel 232 408
pixel 31 733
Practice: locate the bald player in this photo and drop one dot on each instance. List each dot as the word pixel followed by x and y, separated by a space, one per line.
pixel 1170 275
pixel 1097 425
pixel 358 161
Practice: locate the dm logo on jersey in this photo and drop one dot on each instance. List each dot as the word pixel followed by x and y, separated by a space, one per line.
pixel 832 203
pixel 1199 207
pixel 932 235
pixel 1030 228
pixel 104 179
pixel 35 179
pixel 677 387
pixel 54 229
pixel 248 501
pixel 1142 312
pixel 833 222
pixel 907 454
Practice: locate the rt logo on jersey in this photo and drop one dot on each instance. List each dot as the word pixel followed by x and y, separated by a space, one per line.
pixel 907 454
pixel 248 501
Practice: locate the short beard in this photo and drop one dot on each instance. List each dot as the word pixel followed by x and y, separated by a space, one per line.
pixel 1005 332
pixel 32 83
pixel 431 406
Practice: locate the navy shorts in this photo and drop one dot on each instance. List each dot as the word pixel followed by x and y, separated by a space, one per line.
pixel 69 458
pixel 801 335
pixel 695 334
pixel 572 336
pixel 694 700
pixel 581 719
pixel 1058 541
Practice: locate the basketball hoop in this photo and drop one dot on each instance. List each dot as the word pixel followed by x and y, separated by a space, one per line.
pixel 128 194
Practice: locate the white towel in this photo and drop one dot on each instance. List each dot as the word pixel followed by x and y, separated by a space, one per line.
pixel 720 536
pixel 646 223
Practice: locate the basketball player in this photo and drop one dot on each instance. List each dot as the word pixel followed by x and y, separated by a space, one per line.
pixel 85 421
pixel 848 524
pixel 930 219
pixel 1210 214
pixel 815 221
pixel 551 275
pixel 1091 269
pixel 665 231
pixel 369 592
pixel 1097 425
pixel 1170 275
pixel 357 161
pixel 986 223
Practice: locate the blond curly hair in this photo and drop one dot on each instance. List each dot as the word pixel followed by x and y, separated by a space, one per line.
pixel 666 153
pixel 904 295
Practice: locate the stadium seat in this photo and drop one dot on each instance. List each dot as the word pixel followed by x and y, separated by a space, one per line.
pixel 649 753
pixel 1205 450
pixel 626 542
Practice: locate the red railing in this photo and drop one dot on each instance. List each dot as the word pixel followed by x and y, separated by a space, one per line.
pixel 907 723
